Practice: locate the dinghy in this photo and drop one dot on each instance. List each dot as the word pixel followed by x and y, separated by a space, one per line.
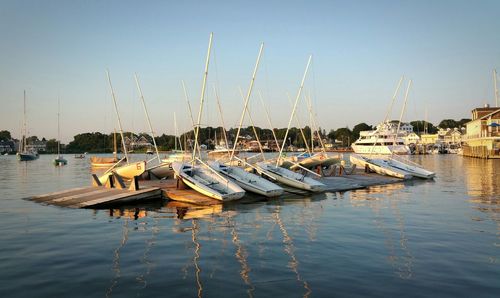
pixel 290 178
pixel 309 161
pixel 127 172
pixel 412 168
pixel 379 166
pixel 207 182
pixel 248 181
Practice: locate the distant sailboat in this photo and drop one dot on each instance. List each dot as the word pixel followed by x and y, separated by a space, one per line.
pixel 24 153
pixel 59 161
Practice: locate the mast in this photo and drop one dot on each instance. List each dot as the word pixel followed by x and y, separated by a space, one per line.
pixel 388 111
pixel 175 132
pixel 269 120
pixel 294 107
pixel 246 101
pixel 253 128
pixel 115 150
pixel 202 98
pixel 58 129
pixel 190 112
pixel 299 125
pixel 495 85
pixel 118 116
pixel 222 119
pixel 315 125
pixel 24 122
pixel 401 115
pixel 147 117
pixel 393 99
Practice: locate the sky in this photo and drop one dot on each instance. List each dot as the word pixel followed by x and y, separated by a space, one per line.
pixel 60 50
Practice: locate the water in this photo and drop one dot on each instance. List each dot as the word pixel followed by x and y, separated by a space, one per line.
pixel 420 238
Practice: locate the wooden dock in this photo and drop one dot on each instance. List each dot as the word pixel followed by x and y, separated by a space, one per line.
pixel 114 191
pixel 94 196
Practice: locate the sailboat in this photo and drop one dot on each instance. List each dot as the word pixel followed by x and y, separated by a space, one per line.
pixel 130 170
pixel 106 162
pixel 59 161
pixel 379 165
pixel 162 169
pixel 246 180
pixel 201 177
pixel 286 176
pixel 392 166
pixel 24 153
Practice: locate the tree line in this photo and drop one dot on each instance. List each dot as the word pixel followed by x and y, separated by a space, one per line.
pixel 97 142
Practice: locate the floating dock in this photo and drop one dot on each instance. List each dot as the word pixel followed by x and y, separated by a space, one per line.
pixel 93 196
pixel 116 192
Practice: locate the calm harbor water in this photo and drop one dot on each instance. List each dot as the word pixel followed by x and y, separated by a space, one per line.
pixel 436 238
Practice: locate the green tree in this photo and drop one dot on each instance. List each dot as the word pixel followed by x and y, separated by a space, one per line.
pixel 51 146
pixel 5 135
pixel 419 127
pixel 360 127
pixel 448 123
pixel 344 135
pixel 462 122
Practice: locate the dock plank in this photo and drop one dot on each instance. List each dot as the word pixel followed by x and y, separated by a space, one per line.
pixel 104 193
pixel 60 194
pixel 129 195
pixel 85 197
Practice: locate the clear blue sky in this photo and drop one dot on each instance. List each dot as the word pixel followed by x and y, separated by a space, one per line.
pixel 360 49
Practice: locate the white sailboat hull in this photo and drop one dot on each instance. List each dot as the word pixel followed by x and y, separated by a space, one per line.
pixel 291 178
pixel 207 183
pixel 314 161
pixel 127 172
pixel 412 169
pixel 249 181
pixel 379 166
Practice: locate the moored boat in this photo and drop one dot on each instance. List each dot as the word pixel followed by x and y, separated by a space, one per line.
pixel 207 182
pixel 383 140
pixel 379 166
pixel 25 153
pixel 248 181
pixel 290 178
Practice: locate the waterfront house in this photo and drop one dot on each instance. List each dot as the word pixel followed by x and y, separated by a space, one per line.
pixel 483 133
pixel 411 138
pixel 7 146
pixel 37 146
pixel 429 139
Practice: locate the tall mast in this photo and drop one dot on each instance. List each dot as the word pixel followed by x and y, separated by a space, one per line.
pixel 253 128
pixel 190 112
pixel 202 97
pixel 293 110
pixel 118 116
pixel 402 112
pixel 147 117
pixel 269 120
pixel 58 128
pixel 24 122
pixel 495 84
pixel 115 149
pixel 175 132
pixel 222 119
pixel 314 124
pixel 388 111
pixel 393 99
pixel 299 125
pixel 246 100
